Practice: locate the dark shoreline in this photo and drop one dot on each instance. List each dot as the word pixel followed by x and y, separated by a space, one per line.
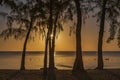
pixel 106 74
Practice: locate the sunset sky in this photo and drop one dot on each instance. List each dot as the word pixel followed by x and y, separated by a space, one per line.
pixel 64 42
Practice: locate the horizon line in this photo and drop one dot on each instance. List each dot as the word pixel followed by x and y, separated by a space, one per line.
pixel 57 51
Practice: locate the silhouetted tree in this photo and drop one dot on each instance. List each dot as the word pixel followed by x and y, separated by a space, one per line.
pixel 58 9
pixel 101 32
pixel 51 71
pixel 32 10
pixel 82 8
pixel 26 15
pixel 108 11
pixel 78 64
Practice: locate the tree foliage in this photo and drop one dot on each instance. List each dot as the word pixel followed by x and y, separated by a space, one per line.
pixel 19 18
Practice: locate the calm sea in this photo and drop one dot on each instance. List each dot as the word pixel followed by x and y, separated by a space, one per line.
pixel 63 60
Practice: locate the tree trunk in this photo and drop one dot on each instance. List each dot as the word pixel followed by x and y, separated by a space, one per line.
pixel 24 47
pixel 53 39
pixel 50 33
pixel 51 71
pixel 101 34
pixel 78 64
pixel 45 58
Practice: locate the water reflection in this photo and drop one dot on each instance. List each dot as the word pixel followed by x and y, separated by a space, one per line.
pixel 35 61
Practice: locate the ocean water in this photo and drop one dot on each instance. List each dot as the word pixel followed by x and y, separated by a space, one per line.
pixel 63 60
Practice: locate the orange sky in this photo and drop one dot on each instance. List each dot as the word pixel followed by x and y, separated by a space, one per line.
pixel 64 41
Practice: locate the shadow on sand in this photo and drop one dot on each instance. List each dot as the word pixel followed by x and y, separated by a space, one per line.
pixel 82 75
pixel 66 66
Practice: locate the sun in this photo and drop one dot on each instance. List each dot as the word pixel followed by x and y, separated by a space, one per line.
pixel 51 36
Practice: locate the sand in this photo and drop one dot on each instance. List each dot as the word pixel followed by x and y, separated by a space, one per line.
pixel 107 74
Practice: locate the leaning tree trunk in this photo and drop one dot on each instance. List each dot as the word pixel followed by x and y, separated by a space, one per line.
pixel 54 35
pixel 100 39
pixel 78 64
pixel 24 47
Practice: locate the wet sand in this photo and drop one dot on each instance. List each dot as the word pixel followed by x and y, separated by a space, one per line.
pixel 107 74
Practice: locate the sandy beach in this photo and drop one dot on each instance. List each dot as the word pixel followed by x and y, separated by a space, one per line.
pixel 107 74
